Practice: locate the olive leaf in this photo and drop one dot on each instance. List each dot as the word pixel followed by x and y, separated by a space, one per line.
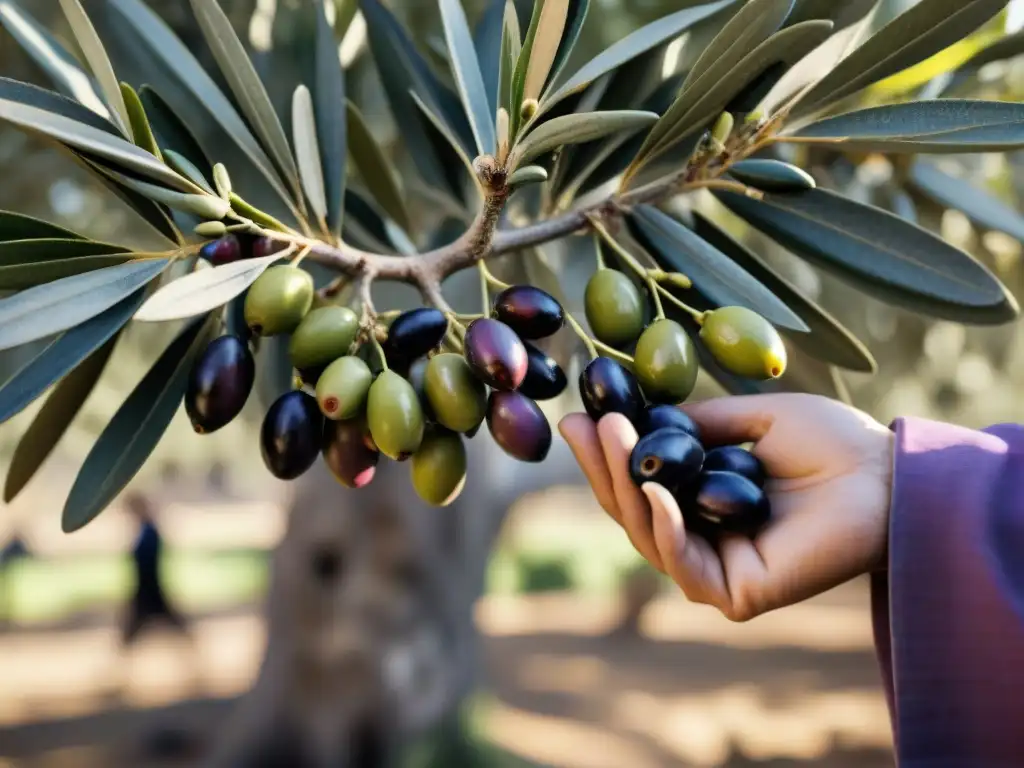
pixel 575 129
pixel 329 107
pixel 51 101
pixel 171 133
pixel 487 39
pixel 375 168
pixel 770 175
pixel 887 257
pixel 448 136
pixel 17 277
pixel 576 18
pixel 96 56
pixel 204 290
pixel 54 307
pixel 18 226
pixel 64 355
pixel 142 133
pixel 981 207
pixel 307 151
pixel 59 65
pixel 187 168
pixel 199 203
pixel 466 69
pixel 724 282
pixel 542 45
pixel 937 126
pixel 134 431
pixel 35 250
pixel 54 418
pixel 246 86
pixel 511 50
pixel 631 46
pixel 915 35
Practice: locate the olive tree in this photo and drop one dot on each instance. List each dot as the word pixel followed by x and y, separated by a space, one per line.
pixel 632 175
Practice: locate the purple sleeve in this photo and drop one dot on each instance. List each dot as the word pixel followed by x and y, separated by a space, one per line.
pixel 949 611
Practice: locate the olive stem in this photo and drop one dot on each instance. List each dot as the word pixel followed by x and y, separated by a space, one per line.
pixel 485 292
pixel 661 291
pixel 492 281
pixel 380 351
pixel 729 186
pixel 599 251
pixel 625 255
pixel 306 250
pixel 593 345
pixel 653 287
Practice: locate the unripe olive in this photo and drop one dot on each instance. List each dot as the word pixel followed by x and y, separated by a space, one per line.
pixel 324 335
pixel 666 363
pixel 457 397
pixel 744 343
pixel 439 468
pixel 278 300
pixel 342 388
pixel 395 416
pixel 614 308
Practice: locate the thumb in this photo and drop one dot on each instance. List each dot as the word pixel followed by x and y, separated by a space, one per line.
pixel 737 419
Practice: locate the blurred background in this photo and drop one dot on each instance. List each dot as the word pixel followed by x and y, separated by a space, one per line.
pixel 586 657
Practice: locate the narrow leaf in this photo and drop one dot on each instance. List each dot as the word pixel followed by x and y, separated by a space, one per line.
pixel 550 26
pixel 51 101
pixel 724 282
pixel 575 129
pixel 375 168
pixel 18 277
pixel 329 107
pixel 446 132
pixel 633 45
pixel 920 32
pixel 33 250
pixel 96 57
pixel 54 307
pixel 518 90
pixel 186 168
pixel 528 174
pixel 246 86
pixel 577 17
pixel 18 226
pixel 511 48
pixel 307 151
pixel 487 39
pixel 136 428
pixel 64 355
pixel 142 133
pixel 206 206
pixel 938 126
pixel 53 420
pixel 203 291
pixel 49 54
pixel 826 339
pixel 171 133
pixel 983 208
pixel 885 256
pixel 466 69
pixel 91 141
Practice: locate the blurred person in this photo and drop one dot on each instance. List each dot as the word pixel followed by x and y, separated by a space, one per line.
pixel 934 513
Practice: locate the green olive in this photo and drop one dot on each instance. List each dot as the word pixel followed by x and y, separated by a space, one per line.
pixel 342 388
pixel 395 416
pixel 666 362
pixel 457 397
pixel 439 468
pixel 278 301
pixel 744 343
pixel 614 307
pixel 324 335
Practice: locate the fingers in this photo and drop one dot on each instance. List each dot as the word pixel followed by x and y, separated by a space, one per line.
pixel 580 433
pixel 618 437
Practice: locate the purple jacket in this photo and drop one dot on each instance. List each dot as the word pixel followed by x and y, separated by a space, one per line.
pixel 949 612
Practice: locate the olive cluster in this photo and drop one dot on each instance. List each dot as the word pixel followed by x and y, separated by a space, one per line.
pixel 367 389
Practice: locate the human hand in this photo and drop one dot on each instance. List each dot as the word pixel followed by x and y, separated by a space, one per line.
pixel 831 475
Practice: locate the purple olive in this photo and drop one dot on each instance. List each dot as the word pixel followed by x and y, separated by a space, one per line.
pixel 219 384
pixel 519 426
pixel 349 452
pixel 661 416
pixel 732 503
pixel 529 311
pixel 496 354
pixel 669 457
pixel 291 435
pixel 223 250
pixel 607 387
pixel 732 458
pixel 545 379
pixel 264 246
pixel 413 334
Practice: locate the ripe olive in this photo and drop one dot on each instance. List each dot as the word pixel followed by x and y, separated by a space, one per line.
pixel 219 384
pixel 349 452
pixel 607 387
pixel 739 461
pixel 291 435
pixel 414 333
pixel 395 416
pixel 278 300
pixel 666 363
pixel 457 398
pixel 264 246
pixel 342 389
pixel 545 379
pixel 519 426
pixel 744 343
pixel 669 457
pixel 496 354
pixel 529 311
pixel 223 250
pixel 658 417
pixel 439 468
pixel 732 503
pixel 324 335
pixel 614 308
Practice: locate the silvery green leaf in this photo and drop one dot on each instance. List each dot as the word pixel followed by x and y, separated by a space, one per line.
pixel 528 174
pixel 142 133
pixel 575 129
pixel 375 168
pixel 307 151
pixel 468 77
